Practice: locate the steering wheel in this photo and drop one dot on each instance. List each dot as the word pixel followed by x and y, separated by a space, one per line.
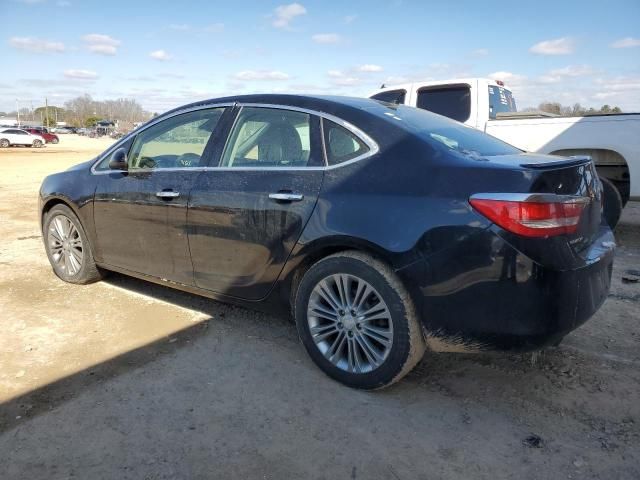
pixel 188 160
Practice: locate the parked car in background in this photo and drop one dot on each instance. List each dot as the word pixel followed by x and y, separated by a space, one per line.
pixel 612 140
pixel 17 136
pixel 63 130
pixel 48 137
pixel 383 228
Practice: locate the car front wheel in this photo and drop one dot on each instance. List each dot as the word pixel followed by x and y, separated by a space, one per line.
pixel 357 321
pixel 68 247
pixel 37 143
pixel 4 143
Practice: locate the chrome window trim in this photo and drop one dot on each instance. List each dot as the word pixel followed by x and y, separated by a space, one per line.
pixel 366 139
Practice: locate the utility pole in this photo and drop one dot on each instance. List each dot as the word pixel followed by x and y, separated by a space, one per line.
pixel 46 111
pixel 18 111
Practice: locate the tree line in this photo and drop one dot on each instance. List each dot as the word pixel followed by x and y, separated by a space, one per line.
pixel 84 111
pixel 576 110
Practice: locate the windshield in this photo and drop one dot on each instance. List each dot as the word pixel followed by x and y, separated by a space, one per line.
pixel 500 101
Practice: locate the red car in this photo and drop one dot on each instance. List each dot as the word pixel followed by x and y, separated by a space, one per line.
pixel 48 137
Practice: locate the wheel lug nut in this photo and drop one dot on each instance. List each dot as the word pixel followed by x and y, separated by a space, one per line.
pixel 340 325
pixel 353 312
pixel 358 326
pixel 351 334
pixel 341 312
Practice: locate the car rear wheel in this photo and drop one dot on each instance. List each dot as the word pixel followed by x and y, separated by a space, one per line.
pixel 4 143
pixel 357 321
pixel 611 202
pixel 54 141
pixel 37 143
pixel 68 247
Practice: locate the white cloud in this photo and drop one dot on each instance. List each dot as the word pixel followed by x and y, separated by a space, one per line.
pixel 480 52
pixel 326 38
pixel 284 14
pixel 627 42
pixel 160 55
pixel 369 68
pixel 570 71
pixel 338 77
pixel 63 3
pixel 103 49
pixel 214 28
pixel 509 78
pixel 558 46
pixel 349 19
pixel 181 27
pixel 80 74
pixel 259 75
pixel 100 38
pixel 35 45
pixel 101 44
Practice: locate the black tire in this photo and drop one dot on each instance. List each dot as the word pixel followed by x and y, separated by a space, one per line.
pixel 611 201
pixel 88 271
pixel 407 345
pixel 38 143
pixel 4 143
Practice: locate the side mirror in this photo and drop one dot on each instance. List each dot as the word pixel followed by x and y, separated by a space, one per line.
pixel 118 160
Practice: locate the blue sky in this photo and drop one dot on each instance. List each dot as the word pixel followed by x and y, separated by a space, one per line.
pixel 168 53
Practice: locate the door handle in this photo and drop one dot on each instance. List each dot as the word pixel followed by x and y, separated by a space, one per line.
pixel 167 194
pixel 286 197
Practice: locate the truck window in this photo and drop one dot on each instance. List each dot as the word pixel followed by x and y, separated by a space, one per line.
pixel 500 101
pixel 453 102
pixel 391 96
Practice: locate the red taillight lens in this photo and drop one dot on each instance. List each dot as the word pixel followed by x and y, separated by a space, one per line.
pixel 532 215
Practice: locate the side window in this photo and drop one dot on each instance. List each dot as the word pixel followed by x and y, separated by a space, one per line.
pixel 452 102
pixel 270 138
pixel 177 142
pixel 341 144
pixel 104 163
pixel 391 96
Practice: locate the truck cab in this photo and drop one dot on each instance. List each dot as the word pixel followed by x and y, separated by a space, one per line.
pixel 471 101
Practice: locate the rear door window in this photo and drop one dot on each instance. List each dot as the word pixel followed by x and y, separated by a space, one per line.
pixel 453 102
pixel 272 138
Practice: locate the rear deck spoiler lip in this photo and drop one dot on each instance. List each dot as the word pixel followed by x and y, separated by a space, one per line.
pixel 571 161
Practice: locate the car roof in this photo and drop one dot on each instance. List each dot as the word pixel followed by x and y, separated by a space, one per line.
pixel 335 105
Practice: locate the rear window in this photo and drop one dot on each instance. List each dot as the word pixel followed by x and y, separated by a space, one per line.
pixel 451 136
pixel 453 102
pixel 500 101
pixel 391 96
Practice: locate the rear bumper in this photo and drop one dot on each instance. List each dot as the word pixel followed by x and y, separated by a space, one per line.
pixel 483 294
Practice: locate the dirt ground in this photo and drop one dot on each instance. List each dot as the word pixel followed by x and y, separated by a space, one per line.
pixel 125 379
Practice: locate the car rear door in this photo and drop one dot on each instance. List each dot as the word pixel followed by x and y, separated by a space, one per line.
pixel 247 213
pixel 141 213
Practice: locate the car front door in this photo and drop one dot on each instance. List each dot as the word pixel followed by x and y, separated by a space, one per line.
pixel 246 215
pixel 141 212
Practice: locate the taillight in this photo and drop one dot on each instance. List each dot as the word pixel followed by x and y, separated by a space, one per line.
pixel 531 215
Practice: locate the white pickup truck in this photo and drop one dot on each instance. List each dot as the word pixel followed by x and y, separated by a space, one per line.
pixel 613 141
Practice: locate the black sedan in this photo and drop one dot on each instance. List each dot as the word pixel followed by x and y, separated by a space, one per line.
pixel 382 229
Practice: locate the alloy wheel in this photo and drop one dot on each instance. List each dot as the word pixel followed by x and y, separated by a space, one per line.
pixel 65 245
pixel 350 323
